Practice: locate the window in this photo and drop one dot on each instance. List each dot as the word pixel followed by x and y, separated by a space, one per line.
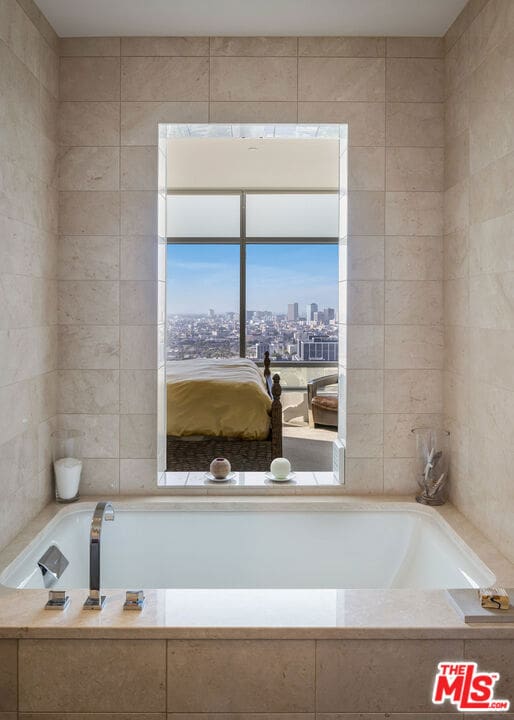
pixel 250 272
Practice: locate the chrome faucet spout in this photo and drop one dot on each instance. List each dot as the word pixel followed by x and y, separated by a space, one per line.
pixel 103 511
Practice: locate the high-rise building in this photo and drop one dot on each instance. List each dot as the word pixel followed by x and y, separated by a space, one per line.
pixel 330 314
pixel 310 309
pixel 292 312
pixel 317 347
pixel 212 313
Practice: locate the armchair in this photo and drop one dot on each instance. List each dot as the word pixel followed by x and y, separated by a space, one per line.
pixel 322 407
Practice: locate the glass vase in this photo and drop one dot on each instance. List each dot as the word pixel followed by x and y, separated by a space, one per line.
pixel 67 460
pixel 432 464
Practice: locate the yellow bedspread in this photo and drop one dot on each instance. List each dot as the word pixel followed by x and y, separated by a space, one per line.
pixel 225 398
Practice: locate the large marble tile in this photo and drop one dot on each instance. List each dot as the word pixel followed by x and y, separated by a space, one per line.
pixel 138 391
pixel 131 674
pixel 138 302
pixel 138 257
pixel 164 46
pixel 138 436
pixel 364 435
pixel 138 347
pixel 366 168
pixel 88 258
pixel 335 46
pixel 242 79
pixel 8 675
pixel 274 46
pixel 89 78
pixel 413 258
pixel 415 80
pixel 365 258
pixel 89 391
pixel 138 212
pixel 365 391
pixel 253 112
pixel 161 78
pixel 399 441
pixel 402 673
pixel 100 476
pixel 101 433
pixel 89 302
pixel 415 47
pixel 413 213
pixel 89 123
pixel 414 168
pixel 365 346
pixel 20 35
pixel 89 47
pixel 415 124
pixel 89 213
pixel 232 675
pixel 341 79
pixel 365 302
pixel 414 346
pixel 366 212
pixel 139 168
pixel 140 120
pixel 498 656
pixel 138 477
pixel 413 391
pixel 89 168
pixel 89 347
pixel 366 123
pixel 413 303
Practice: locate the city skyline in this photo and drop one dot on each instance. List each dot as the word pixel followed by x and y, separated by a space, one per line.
pixel 205 277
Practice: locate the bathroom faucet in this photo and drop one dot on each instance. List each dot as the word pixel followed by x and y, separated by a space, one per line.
pixel 103 510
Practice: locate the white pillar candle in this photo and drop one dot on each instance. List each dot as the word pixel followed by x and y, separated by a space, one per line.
pixel 67 477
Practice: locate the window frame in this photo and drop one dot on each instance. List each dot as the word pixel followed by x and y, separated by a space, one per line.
pixel 244 240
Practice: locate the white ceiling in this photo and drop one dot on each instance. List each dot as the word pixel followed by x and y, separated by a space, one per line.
pixel 250 17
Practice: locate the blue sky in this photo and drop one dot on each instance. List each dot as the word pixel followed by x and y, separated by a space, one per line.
pixel 200 277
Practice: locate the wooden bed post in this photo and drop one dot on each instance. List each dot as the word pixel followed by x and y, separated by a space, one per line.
pixel 276 417
pixel 267 363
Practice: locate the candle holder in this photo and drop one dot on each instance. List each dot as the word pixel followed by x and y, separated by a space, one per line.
pixel 67 460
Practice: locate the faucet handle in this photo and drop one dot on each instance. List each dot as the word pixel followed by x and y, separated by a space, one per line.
pixel 57 600
pixel 134 600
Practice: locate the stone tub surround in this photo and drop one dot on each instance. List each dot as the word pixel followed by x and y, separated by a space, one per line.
pixel 29 69
pixel 114 93
pixel 232 613
pixel 307 648
pixel 479 265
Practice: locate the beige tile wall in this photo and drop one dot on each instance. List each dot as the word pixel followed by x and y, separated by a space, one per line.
pixel 113 95
pixel 479 265
pixel 28 261
pixel 239 679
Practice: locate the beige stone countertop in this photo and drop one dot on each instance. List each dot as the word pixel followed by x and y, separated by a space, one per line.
pixel 254 613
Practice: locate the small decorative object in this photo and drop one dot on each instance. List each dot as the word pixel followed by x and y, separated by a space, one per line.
pixel 211 478
pixel 494 598
pixel 67 464
pixel 280 468
pixel 269 476
pixel 433 455
pixel 220 468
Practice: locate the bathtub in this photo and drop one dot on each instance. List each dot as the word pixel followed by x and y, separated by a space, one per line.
pixel 259 545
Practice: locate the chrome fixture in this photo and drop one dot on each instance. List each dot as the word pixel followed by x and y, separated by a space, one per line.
pixel 134 600
pixel 103 510
pixel 52 565
pixel 57 600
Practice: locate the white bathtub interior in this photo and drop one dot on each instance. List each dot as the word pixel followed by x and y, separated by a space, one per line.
pixel 256 548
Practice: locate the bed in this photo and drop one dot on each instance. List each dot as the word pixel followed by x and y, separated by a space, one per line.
pixel 222 408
